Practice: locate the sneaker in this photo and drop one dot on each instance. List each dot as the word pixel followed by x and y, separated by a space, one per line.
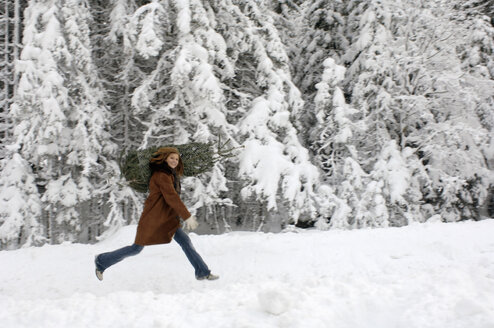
pixel 209 277
pixel 99 273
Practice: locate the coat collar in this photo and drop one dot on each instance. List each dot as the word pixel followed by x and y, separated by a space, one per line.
pixel 163 167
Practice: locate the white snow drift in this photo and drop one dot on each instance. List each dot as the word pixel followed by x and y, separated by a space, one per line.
pixel 430 275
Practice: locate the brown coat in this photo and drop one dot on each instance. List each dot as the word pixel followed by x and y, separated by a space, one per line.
pixel 159 219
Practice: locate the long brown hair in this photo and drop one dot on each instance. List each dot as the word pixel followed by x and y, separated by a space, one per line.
pixel 160 156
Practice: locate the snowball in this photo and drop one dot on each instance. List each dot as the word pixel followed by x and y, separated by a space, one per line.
pixel 274 300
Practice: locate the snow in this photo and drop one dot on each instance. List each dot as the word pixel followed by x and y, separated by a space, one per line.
pixel 183 16
pixel 148 42
pixel 422 275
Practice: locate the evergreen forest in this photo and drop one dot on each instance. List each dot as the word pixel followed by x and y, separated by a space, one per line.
pixel 342 114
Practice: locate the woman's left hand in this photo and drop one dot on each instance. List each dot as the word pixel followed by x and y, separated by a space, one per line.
pixel 191 223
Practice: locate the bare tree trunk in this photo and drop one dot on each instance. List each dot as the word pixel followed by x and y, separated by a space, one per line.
pixel 10 42
pixel 17 37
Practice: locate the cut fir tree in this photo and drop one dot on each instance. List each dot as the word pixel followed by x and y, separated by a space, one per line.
pixel 197 158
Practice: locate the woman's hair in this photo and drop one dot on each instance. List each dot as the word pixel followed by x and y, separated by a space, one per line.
pixel 158 160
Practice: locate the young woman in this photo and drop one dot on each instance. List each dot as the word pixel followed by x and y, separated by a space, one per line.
pixel 160 221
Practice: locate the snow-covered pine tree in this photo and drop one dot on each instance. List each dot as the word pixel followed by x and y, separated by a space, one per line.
pixel 476 17
pixel 451 142
pixel 97 152
pixel 275 164
pixel 331 142
pixel 20 206
pixel 179 99
pixel 120 69
pixel 61 120
pixel 19 199
pixel 315 41
pixel 334 129
pixel 374 85
pixel 119 74
pixel 36 111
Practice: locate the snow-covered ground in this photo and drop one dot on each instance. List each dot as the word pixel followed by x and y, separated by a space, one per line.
pixel 430 275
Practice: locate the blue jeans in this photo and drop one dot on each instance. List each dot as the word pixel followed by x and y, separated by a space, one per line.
pixel 105 260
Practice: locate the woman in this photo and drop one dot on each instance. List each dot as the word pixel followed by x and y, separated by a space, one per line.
pixel 160 221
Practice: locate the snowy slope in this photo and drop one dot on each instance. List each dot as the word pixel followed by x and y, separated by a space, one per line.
pixel 430 275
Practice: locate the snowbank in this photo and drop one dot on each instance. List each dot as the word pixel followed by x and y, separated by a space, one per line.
pixel 430 275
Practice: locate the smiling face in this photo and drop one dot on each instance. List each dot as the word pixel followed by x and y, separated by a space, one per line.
pixel 172 160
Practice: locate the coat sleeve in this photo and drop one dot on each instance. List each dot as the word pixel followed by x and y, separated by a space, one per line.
pixel 171 196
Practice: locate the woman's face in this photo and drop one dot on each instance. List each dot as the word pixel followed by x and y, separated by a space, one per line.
pixel 172 160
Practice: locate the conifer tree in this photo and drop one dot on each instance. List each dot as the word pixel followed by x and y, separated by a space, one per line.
pixel 20 206
pixel 266 125
pixel 119 75
pixel 60 118
pixel 179 100
pixel 40 96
